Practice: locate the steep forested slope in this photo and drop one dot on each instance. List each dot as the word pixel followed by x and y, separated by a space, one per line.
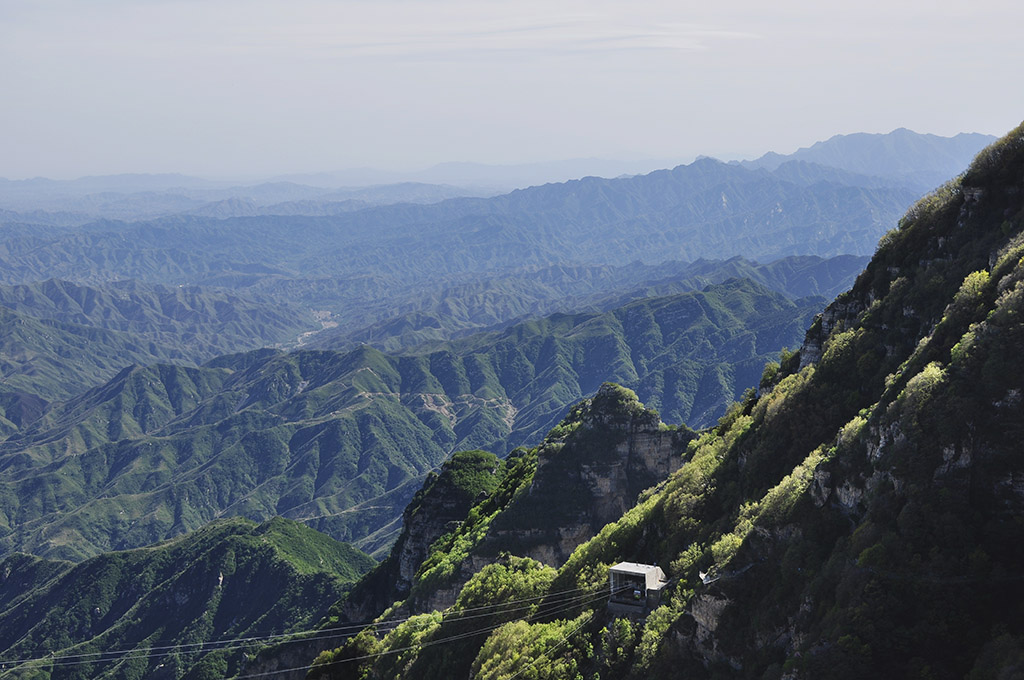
pixel 858 517
pixel 162 611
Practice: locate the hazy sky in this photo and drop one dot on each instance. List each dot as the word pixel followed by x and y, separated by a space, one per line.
pixel 233 87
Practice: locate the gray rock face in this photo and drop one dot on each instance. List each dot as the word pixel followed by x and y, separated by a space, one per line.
pixel 440 506
pixel 839 314
pixel 617 449
pixel 439 514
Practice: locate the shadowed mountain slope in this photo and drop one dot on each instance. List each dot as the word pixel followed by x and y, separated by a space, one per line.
pixel 162 611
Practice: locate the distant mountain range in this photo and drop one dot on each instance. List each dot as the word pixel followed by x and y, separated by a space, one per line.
pixel 851 509
pixel 144 197
pixel 401 274
pixel 60 338
pixel 493 303
pixel 197 323
pixel 707 209
pixel 915 161
pixel 920 161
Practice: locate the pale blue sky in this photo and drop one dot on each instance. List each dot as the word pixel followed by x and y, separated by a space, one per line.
pixel 244 87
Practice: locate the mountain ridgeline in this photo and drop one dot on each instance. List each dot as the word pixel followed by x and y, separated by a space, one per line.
pixel 858 516
pixel 199 324
pixel 62 338
pixel 706 209
pixel 918 160
pixel 58 339
pixel 493 303
pixel 341 440
pixel 408 272
pixel 399 275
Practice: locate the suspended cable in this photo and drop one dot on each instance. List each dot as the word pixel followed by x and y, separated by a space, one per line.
pixel 311 635
pixel 421 645
pixel 543 654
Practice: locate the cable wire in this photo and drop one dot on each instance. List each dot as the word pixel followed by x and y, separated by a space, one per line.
pixel 543 654
pixel 421 645
pixel 313 635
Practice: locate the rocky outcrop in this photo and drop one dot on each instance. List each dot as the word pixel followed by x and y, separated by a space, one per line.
pixel 442 507
pixel 438 508
pixel 843 311
pixel 613 448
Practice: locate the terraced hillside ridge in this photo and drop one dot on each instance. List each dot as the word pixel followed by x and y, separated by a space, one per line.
pixel 191 607
pixel 341 440
pixel 857 516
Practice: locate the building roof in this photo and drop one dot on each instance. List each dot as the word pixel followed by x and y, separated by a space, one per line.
pixel 653 576
pixel 634 568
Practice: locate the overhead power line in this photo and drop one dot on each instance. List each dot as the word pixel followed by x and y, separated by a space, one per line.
pixel 560 598
pixel 429 643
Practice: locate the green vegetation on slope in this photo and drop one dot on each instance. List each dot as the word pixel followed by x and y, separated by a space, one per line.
pixel 56 360
pixel 546 494
pixel 342 440
pixel 430 316
pixel 400 275
pixel 444 500
pixel 160 608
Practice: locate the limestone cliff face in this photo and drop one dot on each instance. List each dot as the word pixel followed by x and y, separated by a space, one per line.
pixel 438 508
pixel 589 472
pixel 841 313
pixel 441 509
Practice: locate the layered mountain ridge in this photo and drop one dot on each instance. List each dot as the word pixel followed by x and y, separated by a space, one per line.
pixel 341 440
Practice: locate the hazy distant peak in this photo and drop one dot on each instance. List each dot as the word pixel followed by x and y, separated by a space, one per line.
pixel 921 161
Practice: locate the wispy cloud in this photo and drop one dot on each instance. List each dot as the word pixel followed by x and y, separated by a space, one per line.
pixel 387 28
pixel 479 35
